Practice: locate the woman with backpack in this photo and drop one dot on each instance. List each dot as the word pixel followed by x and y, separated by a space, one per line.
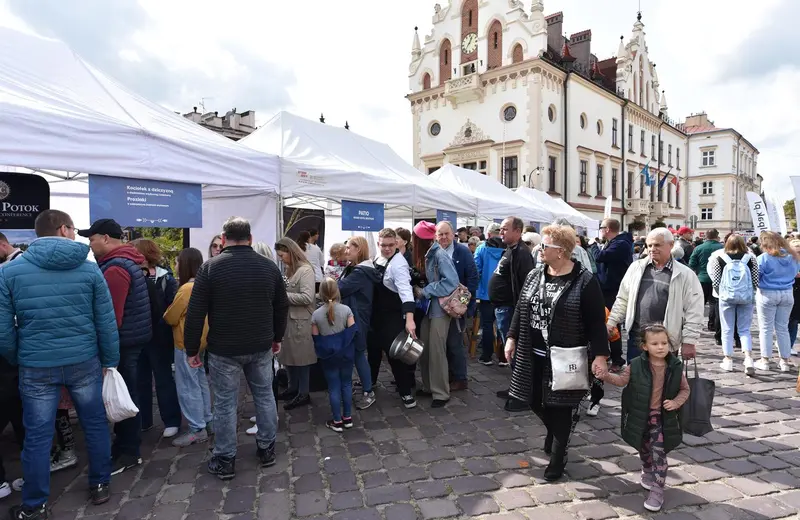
pixel 734 280
pixel 778 266
pixel 155 361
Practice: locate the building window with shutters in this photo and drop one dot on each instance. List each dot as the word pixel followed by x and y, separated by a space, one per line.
pixel 552 172
pixel 510 172
pixel 630 138
pixel 709 158
pixel 641 142
pixel 614 174
pixel 584 177
pixel 669 155
pixel 669 194
pixel 599 180
pixel 630 186
pixel 641 187
pixel 678 158
pixel 614 133
pixel 707 214
pixel 653 147
pixel 708 188
pixel 660 152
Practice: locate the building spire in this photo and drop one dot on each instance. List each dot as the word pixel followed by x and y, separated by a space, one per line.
pixel 537 6
pixel 621 52
pixel 416 48
pixel 664 106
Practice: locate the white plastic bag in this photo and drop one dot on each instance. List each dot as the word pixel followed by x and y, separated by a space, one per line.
pixel 117 400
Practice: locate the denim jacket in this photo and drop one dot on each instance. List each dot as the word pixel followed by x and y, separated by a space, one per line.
pixel 442 278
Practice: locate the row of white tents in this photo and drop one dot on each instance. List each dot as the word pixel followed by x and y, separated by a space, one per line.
pixel 62 117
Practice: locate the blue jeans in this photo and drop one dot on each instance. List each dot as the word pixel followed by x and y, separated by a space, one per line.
pixel 339 375
pixel 299 378
pixel 155 361
pixel 486 311
pixel 456 354
pixel 793 330
pixel 738 317
pixel 774 309
pixel 128 433
pixel 634 341
pixel 193 393
pixel 40 389
pixel 226 373
pixel 363 369
pixel 503 316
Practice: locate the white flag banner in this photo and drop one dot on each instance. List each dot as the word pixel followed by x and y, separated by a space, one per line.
pixel 783 227
pixel 796 185
pixel 607 210
pixel 772 211
pixel 758 210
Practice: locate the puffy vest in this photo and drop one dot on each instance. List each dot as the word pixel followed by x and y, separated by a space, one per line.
pixel 137 326
pixel 636 403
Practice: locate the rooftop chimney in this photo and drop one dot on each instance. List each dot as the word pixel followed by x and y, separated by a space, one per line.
pixel 580 47
pixel 555 39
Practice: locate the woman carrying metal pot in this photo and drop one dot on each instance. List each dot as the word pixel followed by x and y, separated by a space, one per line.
pixel 392 313
pixel 561 305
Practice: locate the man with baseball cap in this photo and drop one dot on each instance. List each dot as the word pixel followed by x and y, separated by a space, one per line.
pixel 121 265
pixel 685 241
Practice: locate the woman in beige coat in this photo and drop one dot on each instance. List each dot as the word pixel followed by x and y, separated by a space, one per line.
pixel 297 350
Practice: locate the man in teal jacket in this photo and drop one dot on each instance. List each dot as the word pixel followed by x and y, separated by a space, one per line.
pixel 58 326
pixel 698 263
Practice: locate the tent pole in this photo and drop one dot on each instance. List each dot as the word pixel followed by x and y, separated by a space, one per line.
pixel 280 217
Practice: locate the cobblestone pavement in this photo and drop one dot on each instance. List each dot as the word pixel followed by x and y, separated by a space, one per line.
pixel 470 460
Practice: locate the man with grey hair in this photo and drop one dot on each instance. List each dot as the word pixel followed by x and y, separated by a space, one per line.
pixel 492 230
pixel 244 298
pixel 658 289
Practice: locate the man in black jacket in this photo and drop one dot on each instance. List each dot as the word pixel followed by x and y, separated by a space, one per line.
pixel 244 297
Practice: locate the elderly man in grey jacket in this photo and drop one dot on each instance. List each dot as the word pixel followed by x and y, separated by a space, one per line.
pixel 659 289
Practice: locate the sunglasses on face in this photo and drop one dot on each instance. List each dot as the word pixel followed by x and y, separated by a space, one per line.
pixel 551 246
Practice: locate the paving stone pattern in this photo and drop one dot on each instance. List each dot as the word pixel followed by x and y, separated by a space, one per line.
pixel 469 460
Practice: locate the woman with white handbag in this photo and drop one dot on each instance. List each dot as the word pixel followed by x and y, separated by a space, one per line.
pixel 557 330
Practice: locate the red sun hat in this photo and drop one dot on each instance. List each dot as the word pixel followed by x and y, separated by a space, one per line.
pixel 425 230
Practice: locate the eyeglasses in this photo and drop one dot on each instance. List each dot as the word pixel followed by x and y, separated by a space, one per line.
pixel 216 246
pixel 551 246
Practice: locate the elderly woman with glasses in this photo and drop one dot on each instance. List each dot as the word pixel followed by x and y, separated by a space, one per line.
pixel 561 305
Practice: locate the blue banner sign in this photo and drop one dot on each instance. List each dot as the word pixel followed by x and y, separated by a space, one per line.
pixel 446 216
pixel 144 203
pixel 361 216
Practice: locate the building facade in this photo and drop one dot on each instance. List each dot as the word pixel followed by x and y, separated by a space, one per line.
pixel 232 125
pixel 498 88
pixel 722 167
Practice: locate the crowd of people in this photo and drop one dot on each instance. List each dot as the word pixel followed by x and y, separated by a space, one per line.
pixel 538 297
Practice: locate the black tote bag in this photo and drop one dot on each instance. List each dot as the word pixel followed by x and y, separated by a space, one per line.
pixel 696 412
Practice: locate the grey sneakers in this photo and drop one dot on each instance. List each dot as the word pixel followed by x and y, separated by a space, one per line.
pixel 189 438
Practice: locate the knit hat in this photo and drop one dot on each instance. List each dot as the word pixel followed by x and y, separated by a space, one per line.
pixel 425 230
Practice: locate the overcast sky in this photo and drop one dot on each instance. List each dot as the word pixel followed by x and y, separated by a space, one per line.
pixel 349 59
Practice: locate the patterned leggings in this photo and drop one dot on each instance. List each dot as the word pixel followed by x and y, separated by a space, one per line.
pixel 654 458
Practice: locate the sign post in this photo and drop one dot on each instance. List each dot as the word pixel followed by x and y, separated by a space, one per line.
pixel 361 216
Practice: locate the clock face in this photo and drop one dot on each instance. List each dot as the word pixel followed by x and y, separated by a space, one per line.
pixel 470 43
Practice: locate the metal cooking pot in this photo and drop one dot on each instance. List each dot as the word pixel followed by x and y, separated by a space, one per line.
pixel 406 349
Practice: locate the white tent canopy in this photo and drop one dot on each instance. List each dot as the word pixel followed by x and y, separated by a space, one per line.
pixel 57 112
pixel 558 208
pixel 493 200
pixel 322 163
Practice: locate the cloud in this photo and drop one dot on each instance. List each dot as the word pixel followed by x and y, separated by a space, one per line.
pixel 105 34
pixel 774 46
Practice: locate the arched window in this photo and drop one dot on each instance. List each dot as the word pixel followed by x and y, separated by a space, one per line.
pixel 445 72
pixel 516 55
pixel 426 81
pixel 494 56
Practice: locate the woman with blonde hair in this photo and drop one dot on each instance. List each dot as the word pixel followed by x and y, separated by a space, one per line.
pixel 561 304
pixel 778 267
pixel 357 286
pixel 297 350
pixel 735 311
pixel 264 250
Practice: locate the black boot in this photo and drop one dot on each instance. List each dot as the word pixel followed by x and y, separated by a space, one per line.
pixel 224 469
pixel 300 400
pixel 286 395
pixel 548 444
pixel 558 460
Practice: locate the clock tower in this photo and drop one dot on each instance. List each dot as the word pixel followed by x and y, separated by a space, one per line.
pixel 469 35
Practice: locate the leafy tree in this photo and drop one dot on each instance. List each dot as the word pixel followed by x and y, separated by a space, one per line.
pixel 789 211
pixel 170 240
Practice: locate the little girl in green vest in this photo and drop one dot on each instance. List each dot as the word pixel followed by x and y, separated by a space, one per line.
pixel 655 389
